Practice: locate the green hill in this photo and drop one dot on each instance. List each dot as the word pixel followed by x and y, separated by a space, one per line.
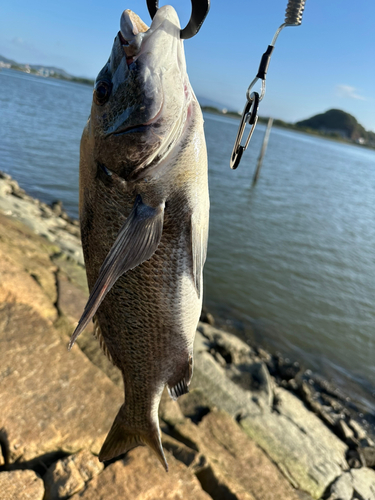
pixel 338 122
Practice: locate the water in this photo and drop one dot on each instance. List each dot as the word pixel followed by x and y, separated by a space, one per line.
pixel 292 260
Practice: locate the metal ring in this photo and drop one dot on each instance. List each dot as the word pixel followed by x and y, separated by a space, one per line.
pixel 199 12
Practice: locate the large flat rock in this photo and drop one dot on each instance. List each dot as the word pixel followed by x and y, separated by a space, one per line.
pixel 21 484
pixel 299 443
pixel 211 379
pixel 141 477
pixel 50 399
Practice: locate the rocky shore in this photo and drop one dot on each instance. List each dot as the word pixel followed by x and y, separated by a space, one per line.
pixel 253 427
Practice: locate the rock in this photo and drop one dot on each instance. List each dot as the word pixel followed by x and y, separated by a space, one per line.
pixel 207 317
pixel 299 443
pixel 235 467
pixel 194 405
pixel 368 454
pixel 354 459
pixel 342 488
pixel 72 298
pixel 169 410
pixel 57 207
pixel 361 434
pixel 40 219
pixel 231 348
pixel 308 454
pixel 364 483
pixel 69 476
pixel 346 433
pixel 357 482
pixel 21 484
pixel 254 377
pixel 27 273
pixel 140 477
pixel 211 379
pixel 180 451
pixel 51 399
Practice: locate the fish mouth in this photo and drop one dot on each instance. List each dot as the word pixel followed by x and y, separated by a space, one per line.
pixel 142 127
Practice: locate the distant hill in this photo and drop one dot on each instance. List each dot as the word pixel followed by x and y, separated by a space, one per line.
pixel 338 122
pixel 46 71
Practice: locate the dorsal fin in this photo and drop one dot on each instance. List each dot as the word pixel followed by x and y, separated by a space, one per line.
pixel 99 337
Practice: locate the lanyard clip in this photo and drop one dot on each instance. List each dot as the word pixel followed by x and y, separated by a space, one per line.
pixel 250 116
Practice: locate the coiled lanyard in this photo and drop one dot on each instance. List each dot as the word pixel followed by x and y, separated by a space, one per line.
pixel 293 17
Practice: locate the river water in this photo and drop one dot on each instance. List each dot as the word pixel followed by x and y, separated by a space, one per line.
pixel 291 261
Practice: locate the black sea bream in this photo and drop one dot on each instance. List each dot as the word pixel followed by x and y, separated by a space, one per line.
pixel 144 221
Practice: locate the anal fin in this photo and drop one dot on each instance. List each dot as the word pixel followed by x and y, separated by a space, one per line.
pixel 176 390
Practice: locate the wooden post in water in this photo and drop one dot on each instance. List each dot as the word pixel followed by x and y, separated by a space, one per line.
pixel 263 150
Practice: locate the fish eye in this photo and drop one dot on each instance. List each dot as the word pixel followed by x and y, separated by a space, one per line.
pixel 102 91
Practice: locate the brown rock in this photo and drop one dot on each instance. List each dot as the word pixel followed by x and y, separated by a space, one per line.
pixel 169 410
pixel 50 399
pixel 21 484
pixel 72 298
pixel 141 477
pixel 30 253
pixel 180 451
pixel 18 287
pixel 68 476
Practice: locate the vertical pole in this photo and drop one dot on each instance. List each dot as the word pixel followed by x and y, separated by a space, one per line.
pixel 263 150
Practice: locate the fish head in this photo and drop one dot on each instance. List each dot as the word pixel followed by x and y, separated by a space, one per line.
pixel 141 96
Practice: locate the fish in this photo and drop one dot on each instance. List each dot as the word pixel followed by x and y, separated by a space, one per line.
pixel 144 212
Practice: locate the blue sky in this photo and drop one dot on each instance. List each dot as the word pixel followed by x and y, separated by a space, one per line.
pixel 326 62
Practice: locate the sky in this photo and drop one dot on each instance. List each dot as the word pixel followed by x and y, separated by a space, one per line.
pixel 327 62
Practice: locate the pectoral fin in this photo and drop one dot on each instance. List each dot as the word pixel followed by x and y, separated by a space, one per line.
pixel 136 242
pixel 199 238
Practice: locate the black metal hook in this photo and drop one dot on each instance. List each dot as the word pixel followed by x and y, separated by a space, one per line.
pixel 199 12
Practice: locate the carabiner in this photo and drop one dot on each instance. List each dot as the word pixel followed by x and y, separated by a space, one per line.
pixel 250 116
pixel 199 12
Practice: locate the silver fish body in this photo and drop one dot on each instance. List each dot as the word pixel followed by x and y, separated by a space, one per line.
pixel 144 221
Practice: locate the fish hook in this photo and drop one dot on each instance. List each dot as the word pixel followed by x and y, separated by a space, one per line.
pixel 199 12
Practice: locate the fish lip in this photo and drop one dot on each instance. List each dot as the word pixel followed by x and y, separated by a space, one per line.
pixel 141 127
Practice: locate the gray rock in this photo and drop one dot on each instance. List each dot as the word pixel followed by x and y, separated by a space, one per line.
pixel 40 218
pixel 69 476
pixel 342 488
pixel 307 452
pixel 368 456
pixel 364 483
pixel 229 346
pixel 21 485
pixel 299 443
pixel 358 484
pixel 212 380
pixel 254 376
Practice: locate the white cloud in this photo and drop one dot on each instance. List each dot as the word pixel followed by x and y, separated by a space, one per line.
pixel 347 91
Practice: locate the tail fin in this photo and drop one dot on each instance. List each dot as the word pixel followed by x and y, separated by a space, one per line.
pixel 122 438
